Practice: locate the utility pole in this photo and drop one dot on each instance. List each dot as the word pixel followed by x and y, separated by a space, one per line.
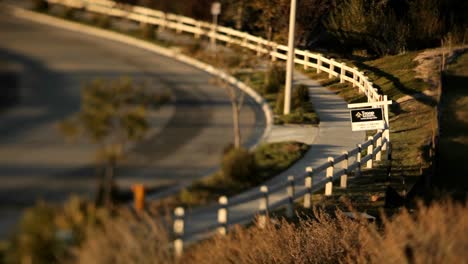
pixel 290 62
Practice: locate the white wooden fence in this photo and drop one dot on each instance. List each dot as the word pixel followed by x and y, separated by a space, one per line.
pixel 336 168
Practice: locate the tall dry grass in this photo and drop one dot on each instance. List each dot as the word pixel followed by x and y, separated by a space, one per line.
pixel 323 240
pixel 434 234
pixel 126 239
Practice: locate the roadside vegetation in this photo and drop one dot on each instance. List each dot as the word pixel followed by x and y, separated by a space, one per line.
pixel 241 170
pixel 432 233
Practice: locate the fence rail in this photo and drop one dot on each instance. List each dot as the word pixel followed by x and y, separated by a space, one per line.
pixel 335 168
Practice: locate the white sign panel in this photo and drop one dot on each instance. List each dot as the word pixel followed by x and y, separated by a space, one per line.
pixel 216 8
pixel 367 119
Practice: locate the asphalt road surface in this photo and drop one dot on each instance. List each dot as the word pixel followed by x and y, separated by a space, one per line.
pixel 36 162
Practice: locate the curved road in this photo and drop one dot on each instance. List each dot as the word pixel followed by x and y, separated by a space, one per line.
pixel 35 162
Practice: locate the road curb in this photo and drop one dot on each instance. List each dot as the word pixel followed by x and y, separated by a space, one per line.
pixel 171 53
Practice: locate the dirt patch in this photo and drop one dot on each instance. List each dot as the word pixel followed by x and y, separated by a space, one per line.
pixel 428 69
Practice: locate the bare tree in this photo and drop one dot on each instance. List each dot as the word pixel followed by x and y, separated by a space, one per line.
pixel 236 98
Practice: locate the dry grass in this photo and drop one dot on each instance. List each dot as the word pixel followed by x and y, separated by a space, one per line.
pixel 324 240
pixel 126 239
pixel 434 234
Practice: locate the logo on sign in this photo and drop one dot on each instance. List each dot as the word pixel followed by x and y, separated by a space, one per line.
pixel 366 119
pixel 363 115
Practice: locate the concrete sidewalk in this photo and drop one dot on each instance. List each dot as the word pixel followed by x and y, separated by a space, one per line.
pixel 330 138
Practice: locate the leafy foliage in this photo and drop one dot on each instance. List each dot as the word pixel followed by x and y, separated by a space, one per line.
pixel 431 234
pixel 40 5
pixel 148 31
pixel 112 114
pixel 239 165
pixel 46 232
pixel 275 79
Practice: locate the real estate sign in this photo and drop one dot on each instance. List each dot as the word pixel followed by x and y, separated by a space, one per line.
pixel 367 119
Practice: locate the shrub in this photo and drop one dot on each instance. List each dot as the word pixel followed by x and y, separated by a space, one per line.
pixel 434 234
pixel 102 21
pixel 148 31
pixel 67 13
pixel 40 5
pixel 275 79
pixel 279 105
pixel 300 95
pixel 36 240
pixel 46 233
pixel 274 158
pixel 127 239
pixel 239 165
pixel 193 48
pixel 325 240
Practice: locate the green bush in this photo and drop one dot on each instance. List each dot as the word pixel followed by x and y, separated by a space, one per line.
pixel 279 106
pixel 300 96
pixel 67 13
pixel 36 240
pixel 46 233
pixel 275 79
pixel 102 21
pixel 193 48
pixel 148 31
pixel 239 165
pixel 40 5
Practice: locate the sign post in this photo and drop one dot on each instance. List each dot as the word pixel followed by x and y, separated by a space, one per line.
pixel 215 11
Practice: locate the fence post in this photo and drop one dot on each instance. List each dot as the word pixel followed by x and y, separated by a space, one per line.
pixel 259 48
pixel 308 185
pixel 358 160
pixel 291 193
pixel 274 50
pixel 263 208
pixel 319 63
pixel 329 184
pixel 378 155
pixel 198 31
pixel 178 229
pixel 370 150
pixel 244 40
pixel 223 215
pixel 179 24
pixel 306 59
pixel 344 176
pixel 389 151
pixel 342 72
pixel 163 24
pixel 332 68
pixel 370 89
pixel 355 76
pixel 387 121
pixel 361 82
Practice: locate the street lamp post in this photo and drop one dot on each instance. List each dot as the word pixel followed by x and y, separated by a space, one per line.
pixel 290 61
